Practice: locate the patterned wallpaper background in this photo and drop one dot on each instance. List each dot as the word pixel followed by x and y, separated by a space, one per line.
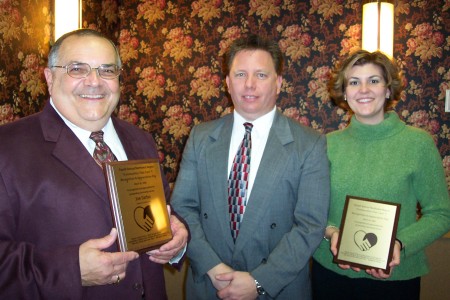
pixel 172 53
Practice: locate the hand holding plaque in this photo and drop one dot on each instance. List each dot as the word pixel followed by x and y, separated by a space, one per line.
pixel 367 233
pixel 138 204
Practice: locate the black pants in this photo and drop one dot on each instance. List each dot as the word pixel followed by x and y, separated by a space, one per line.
pixel 328 285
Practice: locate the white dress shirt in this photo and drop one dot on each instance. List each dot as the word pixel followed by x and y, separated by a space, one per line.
pixel 109 136
pixel 260 133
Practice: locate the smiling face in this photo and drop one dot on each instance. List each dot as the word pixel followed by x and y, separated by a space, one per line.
pixel 366 93
pixel 87 102
pixel 253 83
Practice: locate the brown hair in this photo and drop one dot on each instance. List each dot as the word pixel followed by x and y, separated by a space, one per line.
pixel 254 42
pixel 391 75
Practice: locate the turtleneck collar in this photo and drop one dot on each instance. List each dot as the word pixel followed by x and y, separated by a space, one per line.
pixel 390 126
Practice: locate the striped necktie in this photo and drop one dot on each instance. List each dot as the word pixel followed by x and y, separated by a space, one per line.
pixel 102 152
pixel 238 182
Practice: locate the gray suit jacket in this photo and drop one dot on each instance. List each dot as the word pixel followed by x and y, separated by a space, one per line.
pixel 285 217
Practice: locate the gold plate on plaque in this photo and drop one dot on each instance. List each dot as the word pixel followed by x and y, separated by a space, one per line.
pixel 138 204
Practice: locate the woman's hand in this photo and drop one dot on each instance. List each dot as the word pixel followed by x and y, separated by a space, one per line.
pixel 380 274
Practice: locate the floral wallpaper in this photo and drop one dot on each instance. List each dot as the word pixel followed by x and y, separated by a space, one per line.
pixel 172 53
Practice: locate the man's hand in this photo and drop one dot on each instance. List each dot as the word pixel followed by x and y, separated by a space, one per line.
pixel 98 267
pixel 242 286
pixel 172 248
pixel 219 269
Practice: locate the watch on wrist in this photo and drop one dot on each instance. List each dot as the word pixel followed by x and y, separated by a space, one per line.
pixel 259 289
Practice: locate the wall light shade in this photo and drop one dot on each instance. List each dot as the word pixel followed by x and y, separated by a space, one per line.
pixel 67 16
pixel 378 27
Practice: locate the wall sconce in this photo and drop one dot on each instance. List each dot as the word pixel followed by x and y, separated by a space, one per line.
pixel 378 26
pixel 67 16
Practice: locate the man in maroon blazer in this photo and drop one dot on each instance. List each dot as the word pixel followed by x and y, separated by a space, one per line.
pixel 56 232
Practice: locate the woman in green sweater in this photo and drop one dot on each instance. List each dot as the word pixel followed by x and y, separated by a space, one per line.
pixel 379 157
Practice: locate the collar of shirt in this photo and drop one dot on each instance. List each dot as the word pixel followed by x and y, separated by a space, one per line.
pixel 109 136
pixel 260 130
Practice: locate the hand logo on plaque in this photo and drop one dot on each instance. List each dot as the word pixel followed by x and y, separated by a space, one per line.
pixel 365 241
pixel 144 217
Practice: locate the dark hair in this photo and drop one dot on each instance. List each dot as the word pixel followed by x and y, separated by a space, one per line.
pixel 53 55
pixel 254 42
pixel 391 75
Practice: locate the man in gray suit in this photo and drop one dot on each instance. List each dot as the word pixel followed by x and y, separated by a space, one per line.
pixel 286 195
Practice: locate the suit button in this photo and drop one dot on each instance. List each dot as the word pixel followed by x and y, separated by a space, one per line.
pixel 137 286
pixel 205 215
pixel 263 261
pixel 273 225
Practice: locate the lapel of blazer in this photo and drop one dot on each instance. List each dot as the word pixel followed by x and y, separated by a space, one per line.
pixel 71 152
pixel 269 173
pixel 217 169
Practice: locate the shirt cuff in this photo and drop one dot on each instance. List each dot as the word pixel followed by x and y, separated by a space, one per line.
pixel 178 257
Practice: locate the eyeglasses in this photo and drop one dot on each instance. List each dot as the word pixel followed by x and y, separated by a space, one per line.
pixel 82 70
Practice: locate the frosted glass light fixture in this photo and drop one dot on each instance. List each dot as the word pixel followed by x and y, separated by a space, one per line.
pixel 378 26
pixel 67 16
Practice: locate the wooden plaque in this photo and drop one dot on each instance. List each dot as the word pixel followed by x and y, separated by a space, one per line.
pixel 367 233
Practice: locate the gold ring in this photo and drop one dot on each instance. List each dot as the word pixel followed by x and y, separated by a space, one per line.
pixel 118 280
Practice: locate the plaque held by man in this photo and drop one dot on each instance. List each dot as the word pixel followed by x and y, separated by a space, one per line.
pixel 138 204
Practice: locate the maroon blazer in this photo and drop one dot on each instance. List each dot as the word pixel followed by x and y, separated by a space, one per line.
pixel 52 199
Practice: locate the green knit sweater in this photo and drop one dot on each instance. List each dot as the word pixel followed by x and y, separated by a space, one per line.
pixel 392 162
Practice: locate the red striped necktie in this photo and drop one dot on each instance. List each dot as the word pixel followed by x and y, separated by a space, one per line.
pixel 102 152
pixel 238 182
